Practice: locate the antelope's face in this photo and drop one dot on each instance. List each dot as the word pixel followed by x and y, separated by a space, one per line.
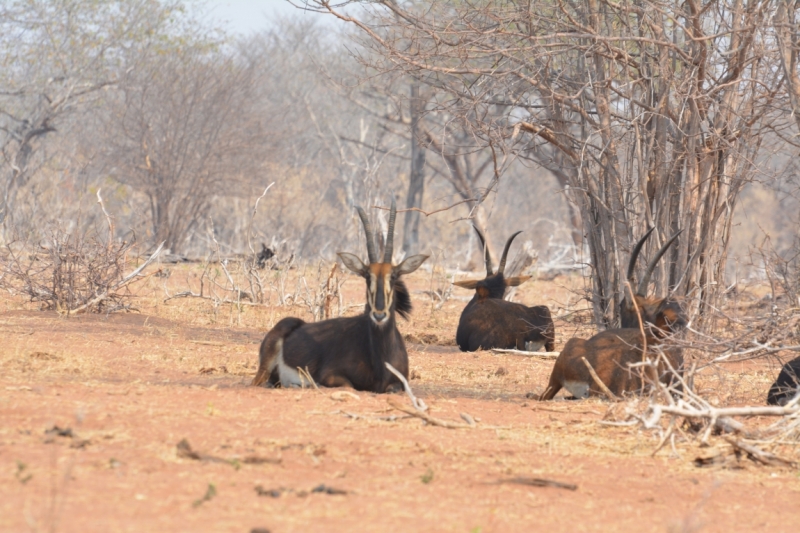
pixel 665 314
pixel 381 280
pixel 493 286
pixel 670 317
pixel 380 292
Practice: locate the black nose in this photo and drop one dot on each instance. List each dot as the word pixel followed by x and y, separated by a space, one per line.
pixel 379 316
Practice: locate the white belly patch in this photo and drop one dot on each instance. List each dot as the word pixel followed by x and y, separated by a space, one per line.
pixel 289 377
pixel 579 389
pixel 534 346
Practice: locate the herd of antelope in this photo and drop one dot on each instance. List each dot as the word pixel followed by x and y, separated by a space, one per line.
pixel 354 351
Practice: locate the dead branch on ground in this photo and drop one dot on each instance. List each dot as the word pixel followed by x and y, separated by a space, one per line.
pixel 546 355
pixel 539 482
pixel 428 418
pixel 418 404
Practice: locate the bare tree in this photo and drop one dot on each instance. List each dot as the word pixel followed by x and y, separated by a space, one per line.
pixel 416 178
pixel 57 58
pixel 787 31
pixel 182 131
pixel 651 113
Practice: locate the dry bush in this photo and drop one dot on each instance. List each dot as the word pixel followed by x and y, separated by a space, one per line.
pixel 711 400
pixel 70 272
pixel 239 281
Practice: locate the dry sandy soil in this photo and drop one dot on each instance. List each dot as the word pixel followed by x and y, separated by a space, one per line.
pixel 93 409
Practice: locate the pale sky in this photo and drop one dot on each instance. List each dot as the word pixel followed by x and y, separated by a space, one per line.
pixel 246 16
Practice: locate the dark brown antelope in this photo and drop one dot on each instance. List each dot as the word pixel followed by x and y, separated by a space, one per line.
pixel 347 352
pixel 610 353
pixel 787 386
pixel 488 321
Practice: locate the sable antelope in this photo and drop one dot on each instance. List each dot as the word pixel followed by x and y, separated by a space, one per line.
pixel 611 352
pixel 348 352
pixel 787 386
pixel 658 311
pixel 488 321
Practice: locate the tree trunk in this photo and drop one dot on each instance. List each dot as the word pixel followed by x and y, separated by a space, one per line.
pixel 416 180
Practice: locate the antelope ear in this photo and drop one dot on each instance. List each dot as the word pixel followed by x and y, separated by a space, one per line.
pixel 467 283
pixel 409 265
pixel 519 280
pixel 354 264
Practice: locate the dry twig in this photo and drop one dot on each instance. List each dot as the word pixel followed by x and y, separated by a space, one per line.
pixel 305 375
pixel 428 418
pixel 418 404
pixel 611 396
pixel 539 482
pixel 546 355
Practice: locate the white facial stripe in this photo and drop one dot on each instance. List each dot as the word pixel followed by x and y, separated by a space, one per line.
pixel 387 291
pixel 373 282
pixel 372 295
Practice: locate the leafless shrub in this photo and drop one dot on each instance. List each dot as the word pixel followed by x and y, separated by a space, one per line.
pixel 682 411
pixel 321 297
pixel 681 407
pixel 223 279
pixel 440 283
pixel 239 281
pixel 71 272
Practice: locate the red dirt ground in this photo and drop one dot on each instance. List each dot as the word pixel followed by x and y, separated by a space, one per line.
pixel 132 386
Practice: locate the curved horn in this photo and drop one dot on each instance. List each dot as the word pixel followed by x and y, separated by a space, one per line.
pixel 502 266
pixel 486 256
pixel 650 267
pixel 388 249
pixel 635 255
pixel 373 257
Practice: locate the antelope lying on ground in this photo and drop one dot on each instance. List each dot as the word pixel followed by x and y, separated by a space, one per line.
pixel 787 386
pixel 610 353
pixel 488 321
pixel 348 352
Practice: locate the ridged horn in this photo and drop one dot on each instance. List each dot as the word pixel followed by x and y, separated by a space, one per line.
pixel 373 257
pixel 635 255
pixel 486 256
pixel 388 249
pixel 642 289
pixel 502 267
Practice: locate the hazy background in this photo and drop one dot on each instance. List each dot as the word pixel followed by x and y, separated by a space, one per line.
pixel 196 115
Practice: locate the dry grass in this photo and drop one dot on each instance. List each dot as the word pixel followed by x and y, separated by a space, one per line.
pixel 139 383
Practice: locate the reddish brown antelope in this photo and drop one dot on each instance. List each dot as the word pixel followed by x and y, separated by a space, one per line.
pixel 610 353
pixel 653 310
pixel 347 352
pixel 488 321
